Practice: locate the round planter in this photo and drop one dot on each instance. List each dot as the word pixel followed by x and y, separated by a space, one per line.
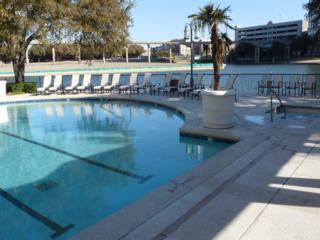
pixel 217 108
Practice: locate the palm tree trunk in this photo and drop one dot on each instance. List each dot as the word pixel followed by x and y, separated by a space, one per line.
pixel 216 85
pixel 216 64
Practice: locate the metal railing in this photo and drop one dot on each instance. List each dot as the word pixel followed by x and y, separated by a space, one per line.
pixel 246 84
pixel 272 109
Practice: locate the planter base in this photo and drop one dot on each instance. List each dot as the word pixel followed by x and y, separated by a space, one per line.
pixel 218 108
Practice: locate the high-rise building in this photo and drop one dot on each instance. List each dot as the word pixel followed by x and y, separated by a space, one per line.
pixel 272 31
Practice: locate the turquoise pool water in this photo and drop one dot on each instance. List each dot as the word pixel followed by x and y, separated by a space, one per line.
pixel 67 165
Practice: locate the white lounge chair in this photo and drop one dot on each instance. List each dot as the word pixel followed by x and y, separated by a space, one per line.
pixel 56 84
pixel 85 83
pixel 230 82
pixel 185 86
pixel 132 83
pixel 45 85
pixel 73 85
pixel 114 83
pixel 158 88
pixel 145 83
pixel 103 82
pixel 198 86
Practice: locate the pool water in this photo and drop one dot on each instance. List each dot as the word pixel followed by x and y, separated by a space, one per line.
pixel 67 165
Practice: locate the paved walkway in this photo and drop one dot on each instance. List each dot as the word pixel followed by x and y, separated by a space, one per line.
pixel 97 67
pixel 266 186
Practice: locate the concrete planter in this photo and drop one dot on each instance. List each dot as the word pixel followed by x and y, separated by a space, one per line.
pixel 217 108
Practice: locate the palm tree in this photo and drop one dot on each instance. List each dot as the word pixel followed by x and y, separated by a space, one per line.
pixel 211 16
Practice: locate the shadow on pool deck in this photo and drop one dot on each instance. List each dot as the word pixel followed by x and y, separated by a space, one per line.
pixel 272 189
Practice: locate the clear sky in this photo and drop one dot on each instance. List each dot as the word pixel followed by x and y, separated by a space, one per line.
pixel 163 20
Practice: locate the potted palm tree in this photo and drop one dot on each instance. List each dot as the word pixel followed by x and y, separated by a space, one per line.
pixel 217 103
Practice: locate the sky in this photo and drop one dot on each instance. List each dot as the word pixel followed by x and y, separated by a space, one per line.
pixel 164 20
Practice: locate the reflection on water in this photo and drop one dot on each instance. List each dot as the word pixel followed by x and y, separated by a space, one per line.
pixel 3 114
pixel 260 120
pixel 56 144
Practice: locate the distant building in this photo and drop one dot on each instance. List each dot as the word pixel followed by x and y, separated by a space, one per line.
pixel 184 50
pixel 272 31
pixel 180 47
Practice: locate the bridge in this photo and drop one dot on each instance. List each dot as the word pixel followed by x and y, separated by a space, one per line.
pixel 263 43
pixel 147 43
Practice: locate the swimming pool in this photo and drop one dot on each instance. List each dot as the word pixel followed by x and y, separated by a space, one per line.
pixel 66 165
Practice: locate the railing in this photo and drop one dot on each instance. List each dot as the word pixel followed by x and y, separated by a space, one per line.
pixel 272 109
pixel 246 83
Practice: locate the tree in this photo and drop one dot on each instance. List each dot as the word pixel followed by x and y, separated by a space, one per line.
pixel 101 25
pixel 22 22
pixel 313 8
pixel 211 16
pixel 97 25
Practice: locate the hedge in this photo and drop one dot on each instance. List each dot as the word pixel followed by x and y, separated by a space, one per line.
pixel 16 88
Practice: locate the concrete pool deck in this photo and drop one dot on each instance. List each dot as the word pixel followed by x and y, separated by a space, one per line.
pixel 266 186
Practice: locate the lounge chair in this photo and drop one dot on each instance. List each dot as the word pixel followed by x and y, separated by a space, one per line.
pixel 185 86
pixel 132 83
pixel 264 84
pixel 103 82
pixel 56 84
pixel 309 84
pixel 198 86
pixel 277 83
pixel 174 84
pixel 229 85
pixel 145 83
pixel 73 85
pixel 45 85
pixel 159 88
pixel 114 83
pixel 86 82
pixel 293 84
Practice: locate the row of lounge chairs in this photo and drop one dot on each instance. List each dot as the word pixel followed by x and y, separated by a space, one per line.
pixel 181 86
pixel 76 87
pixel 172 85
pixel 295 86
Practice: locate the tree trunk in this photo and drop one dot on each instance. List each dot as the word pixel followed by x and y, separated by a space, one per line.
pixel 19 67
pixel 79 54
pixel 216 64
